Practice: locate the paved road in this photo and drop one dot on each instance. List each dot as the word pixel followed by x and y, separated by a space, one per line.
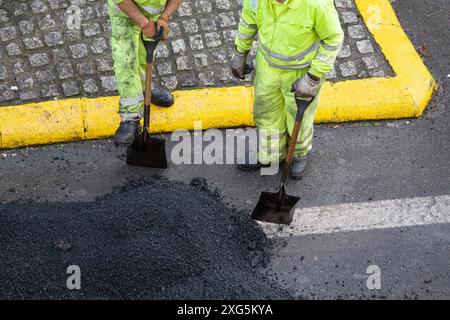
pixel 376 162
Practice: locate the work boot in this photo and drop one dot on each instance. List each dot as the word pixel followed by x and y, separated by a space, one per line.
pixel 255 166
pixel 162 97
pixel 298 167
pixel 127 131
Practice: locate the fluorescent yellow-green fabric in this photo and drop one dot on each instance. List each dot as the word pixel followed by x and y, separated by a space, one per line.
pixel 296 34
pixel 274 112
pixel 129 57
pixel 151 8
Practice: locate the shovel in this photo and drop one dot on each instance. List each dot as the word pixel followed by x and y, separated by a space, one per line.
pixel 148 151
pixel 278 207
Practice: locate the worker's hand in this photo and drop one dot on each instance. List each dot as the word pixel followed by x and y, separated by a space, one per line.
pixel 306 87
pixel 149 29
pixel 163 23
pixel 239 65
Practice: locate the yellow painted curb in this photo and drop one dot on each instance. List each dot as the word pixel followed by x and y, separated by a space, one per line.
pixel 403 96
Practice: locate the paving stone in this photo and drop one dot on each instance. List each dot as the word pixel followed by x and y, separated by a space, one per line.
pixel 190 26
pixel 226 20
pixel 178 46
pixel 46 75
pixel 91 29
pixel 201 59
pixel 203 6
pixel 349 17
pixel 208 24
pixel 196 42
pixel 348 69
pixel 79 50
pixel 3 72
pixel 212 40
pixel 170 82
pixel 356 32
pixel 370 62
pixel 33 43
pixel 26 95
pixel 364 46
pixel 163 51
pixel 39 59
pixel 345 52
pixel 99 45
pixel 38 6
pixel 70 88
pixel 187 79
pixel 379 73
pixel 86 68
pixel 90 86
pixel 13 49
pixel 185 9
pixel 8 33
pixel 21 9
pixel 223 4
pixel 164 68
pixel 183 63
pixel 53 38
pixel 105 64
pixel 3 16
pixel 108 83
pixel 49 91
pixel 26 27
pixel 46 23
pixel 64 70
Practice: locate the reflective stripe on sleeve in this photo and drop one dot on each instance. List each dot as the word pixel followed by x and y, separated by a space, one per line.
pixel 299 56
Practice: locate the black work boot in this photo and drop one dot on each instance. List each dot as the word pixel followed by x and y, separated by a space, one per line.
pixel 298 167
pixel 252 166
pixel 255 166
pixel 162 97
pixel 126 132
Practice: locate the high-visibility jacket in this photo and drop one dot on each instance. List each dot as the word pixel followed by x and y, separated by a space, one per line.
pixel 296 34
pixel 151 8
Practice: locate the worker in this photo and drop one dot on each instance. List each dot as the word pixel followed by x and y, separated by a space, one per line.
pixel 128 20
pixel 298 42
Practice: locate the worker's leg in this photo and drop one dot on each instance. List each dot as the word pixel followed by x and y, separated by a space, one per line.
pixel 125 44
pixel 269 112
pixel 304 141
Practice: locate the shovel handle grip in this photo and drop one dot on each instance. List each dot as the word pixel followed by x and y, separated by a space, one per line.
pixel 150 45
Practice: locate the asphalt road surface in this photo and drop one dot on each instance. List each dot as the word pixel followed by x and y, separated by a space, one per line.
pixel 381 190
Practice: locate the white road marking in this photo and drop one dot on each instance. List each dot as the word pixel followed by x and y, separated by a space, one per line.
pixel 364 216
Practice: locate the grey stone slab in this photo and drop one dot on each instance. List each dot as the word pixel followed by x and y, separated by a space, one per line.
pixel 35 39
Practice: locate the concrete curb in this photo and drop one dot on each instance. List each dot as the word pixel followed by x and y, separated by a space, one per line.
pixel 404 96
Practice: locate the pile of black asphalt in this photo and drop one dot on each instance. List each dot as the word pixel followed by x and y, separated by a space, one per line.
pixel 156 239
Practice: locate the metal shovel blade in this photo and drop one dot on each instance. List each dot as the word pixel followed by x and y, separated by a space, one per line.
pixel 147 151
pixel 275 207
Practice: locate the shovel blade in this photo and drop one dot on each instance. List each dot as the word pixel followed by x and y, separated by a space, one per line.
pixel 275 207
pixel 147 151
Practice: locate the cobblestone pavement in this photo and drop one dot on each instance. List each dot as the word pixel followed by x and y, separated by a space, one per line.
pixel 42 57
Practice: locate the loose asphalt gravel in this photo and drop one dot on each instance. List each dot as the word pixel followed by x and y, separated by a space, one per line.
pixel 149 240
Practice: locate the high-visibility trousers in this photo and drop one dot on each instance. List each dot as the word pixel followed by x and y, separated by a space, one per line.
pixel 274 112
pixel 129 57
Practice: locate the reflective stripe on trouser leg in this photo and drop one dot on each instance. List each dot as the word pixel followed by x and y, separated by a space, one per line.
pixel 125 44
pixel 269 113
pixel 304 141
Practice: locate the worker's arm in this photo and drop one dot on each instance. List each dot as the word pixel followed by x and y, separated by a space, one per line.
pixel 133 12
pixel 171 7
pixel 329 30
pixel 163 20
pixel 247 28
